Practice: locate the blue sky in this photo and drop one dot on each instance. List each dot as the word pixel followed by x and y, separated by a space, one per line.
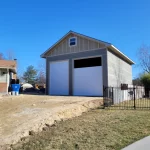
pixel 29 27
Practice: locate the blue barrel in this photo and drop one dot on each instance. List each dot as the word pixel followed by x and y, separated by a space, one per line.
pixel 15 87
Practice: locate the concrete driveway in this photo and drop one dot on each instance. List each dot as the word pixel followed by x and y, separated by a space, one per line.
pixel 24 113
pixel 143 144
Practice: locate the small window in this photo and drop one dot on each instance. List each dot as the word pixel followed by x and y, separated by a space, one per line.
pixel 73 41
pixel 3 73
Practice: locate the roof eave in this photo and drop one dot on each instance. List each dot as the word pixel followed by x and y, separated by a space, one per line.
pixel 116 50
pixel 10 68
pixel 13 70
pixel 43 54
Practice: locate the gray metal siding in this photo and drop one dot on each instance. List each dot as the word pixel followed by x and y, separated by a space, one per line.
pixel 119 71
pixel 100 52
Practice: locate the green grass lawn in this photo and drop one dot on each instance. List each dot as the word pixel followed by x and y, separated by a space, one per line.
pixel 95 130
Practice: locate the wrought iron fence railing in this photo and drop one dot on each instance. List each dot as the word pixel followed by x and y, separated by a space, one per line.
pixel 131 98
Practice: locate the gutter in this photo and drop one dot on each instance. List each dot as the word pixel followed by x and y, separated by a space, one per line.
pixel 115 50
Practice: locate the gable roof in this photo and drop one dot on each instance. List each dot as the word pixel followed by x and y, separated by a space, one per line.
pixel 107 44
pixel 8 64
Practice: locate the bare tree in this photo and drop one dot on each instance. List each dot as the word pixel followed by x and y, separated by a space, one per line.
pixel 2 56
pixel 144 58
pixel 20 70
pixel 41 77
pixel 41 73
pixel 10 55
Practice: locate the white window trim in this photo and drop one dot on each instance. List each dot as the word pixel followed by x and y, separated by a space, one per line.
pixel 75 42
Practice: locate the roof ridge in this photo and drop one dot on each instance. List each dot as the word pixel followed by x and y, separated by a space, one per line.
pixel 89 37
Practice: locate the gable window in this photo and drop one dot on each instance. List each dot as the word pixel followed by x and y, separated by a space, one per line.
pixel 73 41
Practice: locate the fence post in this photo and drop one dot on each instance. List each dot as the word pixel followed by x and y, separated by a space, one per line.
pixel 134 97
pixel 112 95
pixel 103 96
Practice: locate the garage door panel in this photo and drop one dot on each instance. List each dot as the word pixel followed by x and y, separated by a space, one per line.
pixel 88 81
pixel 59 78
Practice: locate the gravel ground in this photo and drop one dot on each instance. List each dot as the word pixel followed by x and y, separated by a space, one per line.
pixel 24 113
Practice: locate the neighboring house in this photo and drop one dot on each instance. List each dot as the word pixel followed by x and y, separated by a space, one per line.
pixel 81 65
pixel 7 72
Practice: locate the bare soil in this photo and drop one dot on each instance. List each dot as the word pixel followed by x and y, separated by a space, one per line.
pixel 24 113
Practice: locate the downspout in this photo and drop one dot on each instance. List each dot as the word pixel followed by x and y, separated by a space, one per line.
pixel 7 80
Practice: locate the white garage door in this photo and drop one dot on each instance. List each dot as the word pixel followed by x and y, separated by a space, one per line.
pixel 87 77
pixel 59 78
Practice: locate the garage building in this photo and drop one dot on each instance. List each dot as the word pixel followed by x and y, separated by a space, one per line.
pixel 80 65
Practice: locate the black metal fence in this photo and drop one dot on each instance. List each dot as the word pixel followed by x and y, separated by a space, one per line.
pixel 132 98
